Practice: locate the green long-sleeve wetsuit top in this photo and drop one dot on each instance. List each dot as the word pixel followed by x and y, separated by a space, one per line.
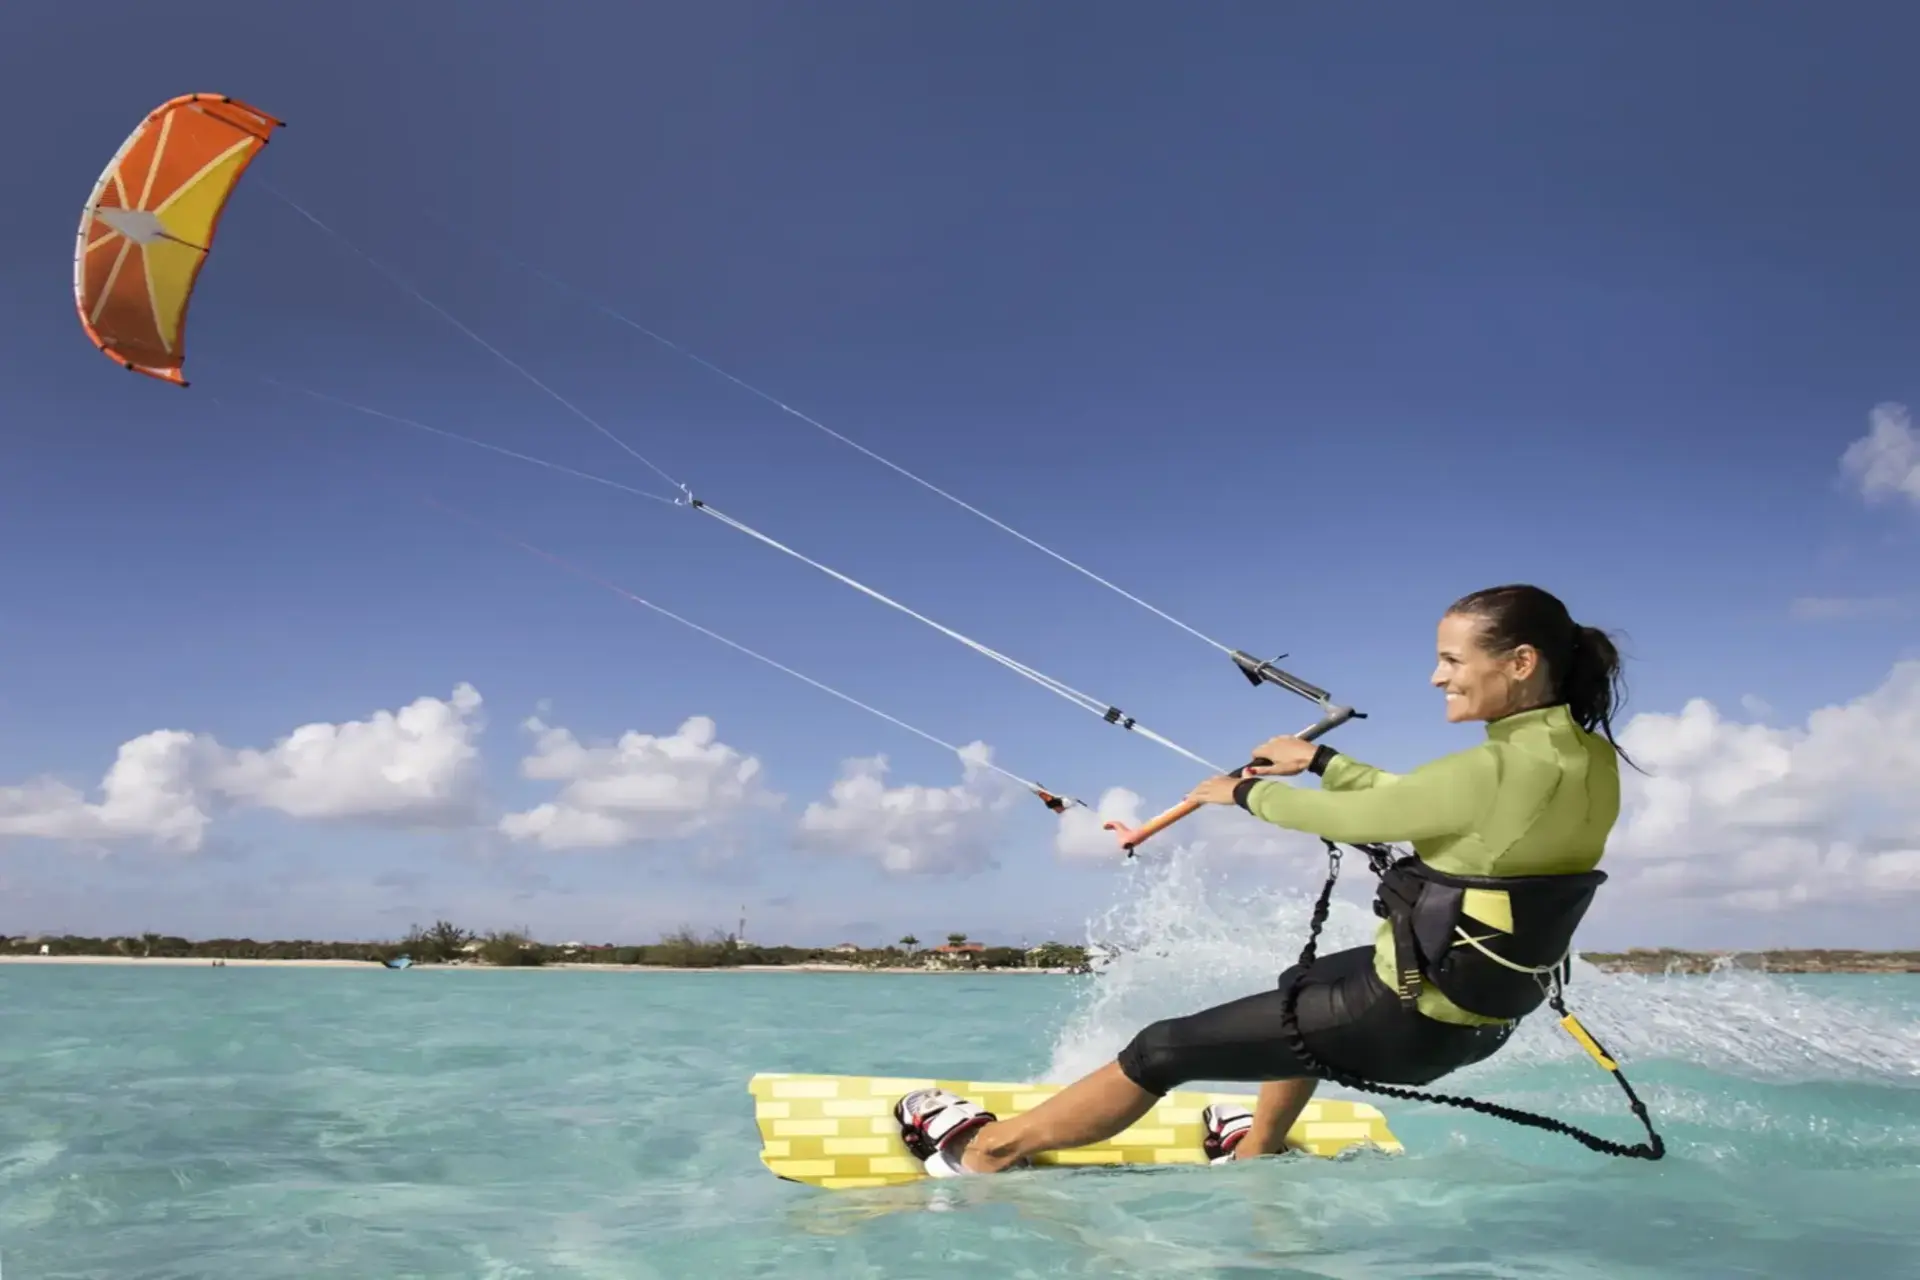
pixel 1538 797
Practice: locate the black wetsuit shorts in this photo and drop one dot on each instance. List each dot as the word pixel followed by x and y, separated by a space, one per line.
pixel 1349 1019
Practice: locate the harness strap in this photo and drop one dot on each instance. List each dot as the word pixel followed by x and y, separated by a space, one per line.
pixel 1653 1149
pixel 1533 969
pixel 1406 956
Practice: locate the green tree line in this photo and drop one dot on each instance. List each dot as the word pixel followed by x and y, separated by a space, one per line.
pixel 444 942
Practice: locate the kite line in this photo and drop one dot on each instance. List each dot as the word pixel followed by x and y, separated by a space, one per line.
pixel 132 288
pixel 1107 711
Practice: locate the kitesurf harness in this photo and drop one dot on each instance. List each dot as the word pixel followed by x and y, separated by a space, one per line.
pixel 1445 929
pixel 1432 915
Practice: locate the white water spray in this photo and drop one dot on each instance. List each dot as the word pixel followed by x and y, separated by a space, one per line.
pixel 1187 937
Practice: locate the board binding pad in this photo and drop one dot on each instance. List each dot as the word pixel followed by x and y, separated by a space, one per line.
pixel 838 1132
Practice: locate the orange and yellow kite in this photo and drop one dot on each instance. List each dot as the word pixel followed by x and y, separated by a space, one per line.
pixel 149 224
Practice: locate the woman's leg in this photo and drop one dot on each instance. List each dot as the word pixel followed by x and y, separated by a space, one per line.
pixel 1100 1105
pixel 1280 1104
pixel 1239 1040
pixel 1090 1110
pixel 1355 1020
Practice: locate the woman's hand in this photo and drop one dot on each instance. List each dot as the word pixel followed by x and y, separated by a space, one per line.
pixel 1290 755
pixel 1214 791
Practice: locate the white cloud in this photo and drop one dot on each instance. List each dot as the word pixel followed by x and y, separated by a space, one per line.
pixel 149 793
pixel 1886 461
pixel 418 764
pixel 641 788
pixel 1081 836
pixel 912 829
pixel 1765 818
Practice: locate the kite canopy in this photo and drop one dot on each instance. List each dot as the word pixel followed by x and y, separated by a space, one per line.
pixel 149 224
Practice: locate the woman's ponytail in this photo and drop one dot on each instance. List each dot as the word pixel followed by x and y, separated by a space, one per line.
pixel 1593 686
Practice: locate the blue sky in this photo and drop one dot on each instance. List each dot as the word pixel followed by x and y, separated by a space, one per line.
pixel 1296 323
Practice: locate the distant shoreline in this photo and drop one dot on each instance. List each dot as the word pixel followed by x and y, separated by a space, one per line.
pixel 1656 961
pixel 1665 960
pixel 448 944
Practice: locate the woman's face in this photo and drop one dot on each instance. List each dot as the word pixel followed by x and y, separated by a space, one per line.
pixel 1480 685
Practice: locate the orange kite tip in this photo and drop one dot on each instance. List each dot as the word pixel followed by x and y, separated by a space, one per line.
pixel 160 374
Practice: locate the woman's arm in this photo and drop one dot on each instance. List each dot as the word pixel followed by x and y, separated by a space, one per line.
pixel 1442 797
pixel 1289 754
pixel 1344 773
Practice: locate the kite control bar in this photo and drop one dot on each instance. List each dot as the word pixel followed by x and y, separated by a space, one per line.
pixel 1257 673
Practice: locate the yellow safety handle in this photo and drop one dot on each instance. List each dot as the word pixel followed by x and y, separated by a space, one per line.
pixel 1587 1042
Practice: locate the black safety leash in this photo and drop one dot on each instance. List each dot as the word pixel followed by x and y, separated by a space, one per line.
pixel 1652 1149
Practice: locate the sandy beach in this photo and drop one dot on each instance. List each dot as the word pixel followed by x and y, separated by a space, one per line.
pixel 208 962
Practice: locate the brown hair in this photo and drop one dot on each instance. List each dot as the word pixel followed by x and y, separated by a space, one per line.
pixel 1582 662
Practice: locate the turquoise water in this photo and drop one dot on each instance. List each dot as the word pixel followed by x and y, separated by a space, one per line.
pixel 259 1123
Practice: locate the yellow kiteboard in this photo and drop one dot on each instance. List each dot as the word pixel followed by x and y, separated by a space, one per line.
pixel 838 1132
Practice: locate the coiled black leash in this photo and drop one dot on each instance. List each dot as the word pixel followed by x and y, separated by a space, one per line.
pixel 1652 1149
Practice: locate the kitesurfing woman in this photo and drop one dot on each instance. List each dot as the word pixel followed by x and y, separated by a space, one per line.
pixel 1507 834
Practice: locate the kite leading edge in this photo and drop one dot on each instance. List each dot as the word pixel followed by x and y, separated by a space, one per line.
pixel 150 221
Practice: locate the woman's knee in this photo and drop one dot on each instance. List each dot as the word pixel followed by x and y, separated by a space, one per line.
pixel 1152 1059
